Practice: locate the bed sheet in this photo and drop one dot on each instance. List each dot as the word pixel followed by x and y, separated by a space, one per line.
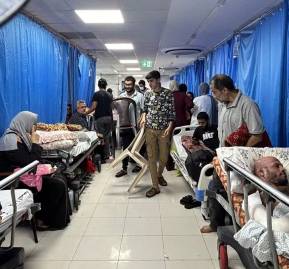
pixel 24 200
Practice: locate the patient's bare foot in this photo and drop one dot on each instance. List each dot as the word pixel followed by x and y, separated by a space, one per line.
pixel 207 229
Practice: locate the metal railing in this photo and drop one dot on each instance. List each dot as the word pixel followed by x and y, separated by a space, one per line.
pixel 270 194
pixel 11 181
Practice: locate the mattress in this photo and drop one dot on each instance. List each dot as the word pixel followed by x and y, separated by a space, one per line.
pixel 83 146
pixel 24 200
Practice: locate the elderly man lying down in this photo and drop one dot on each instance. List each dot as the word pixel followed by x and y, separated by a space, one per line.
pixel 254 234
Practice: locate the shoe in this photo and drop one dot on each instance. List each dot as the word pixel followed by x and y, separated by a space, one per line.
pixel 136 169
pixel 193 204
pixel 207 229
pixel 152 192
pixel 186 199
pixel 121 173
pixel 162 181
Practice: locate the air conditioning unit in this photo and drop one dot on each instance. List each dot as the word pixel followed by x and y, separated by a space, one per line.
pixel 182 51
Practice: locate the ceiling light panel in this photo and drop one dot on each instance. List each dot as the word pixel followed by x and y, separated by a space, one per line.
pixel 128 61
pixel 133 69
pixel 100 16
pixel 119 46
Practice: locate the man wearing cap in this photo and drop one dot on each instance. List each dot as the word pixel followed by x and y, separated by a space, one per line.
pixel 157 118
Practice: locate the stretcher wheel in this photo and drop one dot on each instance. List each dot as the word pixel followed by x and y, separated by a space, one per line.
pixel 223 257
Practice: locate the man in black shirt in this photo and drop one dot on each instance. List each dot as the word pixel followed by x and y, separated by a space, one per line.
pixel 101 105
pixel 205 132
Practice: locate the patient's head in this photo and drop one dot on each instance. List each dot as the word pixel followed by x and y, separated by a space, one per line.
pixel 272 171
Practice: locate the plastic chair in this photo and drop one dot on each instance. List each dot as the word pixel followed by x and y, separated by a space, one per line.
pixel 127 117
pixel 132 151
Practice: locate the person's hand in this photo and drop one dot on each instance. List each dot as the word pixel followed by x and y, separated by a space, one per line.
pixel 35 138
pixel 167 132
pixel 142 122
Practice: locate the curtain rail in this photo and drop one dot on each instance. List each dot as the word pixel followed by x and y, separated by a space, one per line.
pixel 51 30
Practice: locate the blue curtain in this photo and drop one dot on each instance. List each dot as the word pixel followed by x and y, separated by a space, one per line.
pixel 192 76
pixel 82 72
pixel 260 71
pixel 33 72
pixel 221 61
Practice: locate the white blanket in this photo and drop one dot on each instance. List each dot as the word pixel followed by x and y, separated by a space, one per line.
pixel 24 200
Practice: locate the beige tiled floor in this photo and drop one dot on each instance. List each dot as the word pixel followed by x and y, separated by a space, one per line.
pixel 117 230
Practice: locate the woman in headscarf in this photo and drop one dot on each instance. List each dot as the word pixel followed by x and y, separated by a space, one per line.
pixel 19 147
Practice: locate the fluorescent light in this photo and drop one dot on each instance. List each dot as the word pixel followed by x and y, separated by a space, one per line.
pixel 100 16
pixel 128 61
pixel 133 69
pixel 138 76
pixel 119 46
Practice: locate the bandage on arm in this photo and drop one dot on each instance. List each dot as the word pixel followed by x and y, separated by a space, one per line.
pixel 257 212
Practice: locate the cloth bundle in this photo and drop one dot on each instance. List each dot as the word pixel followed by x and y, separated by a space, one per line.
pixel 57 139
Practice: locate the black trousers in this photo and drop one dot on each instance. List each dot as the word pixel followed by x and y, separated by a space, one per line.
pixel 216 211
pixel 127 136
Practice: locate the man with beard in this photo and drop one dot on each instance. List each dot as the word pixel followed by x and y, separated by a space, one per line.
pixel 254 234
pixel 237 109
pixel 206 132
pixel 128 134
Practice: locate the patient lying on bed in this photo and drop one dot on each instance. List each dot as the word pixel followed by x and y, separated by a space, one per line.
pixel 254 233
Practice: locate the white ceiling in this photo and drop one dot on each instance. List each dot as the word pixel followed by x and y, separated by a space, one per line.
pixel 151 25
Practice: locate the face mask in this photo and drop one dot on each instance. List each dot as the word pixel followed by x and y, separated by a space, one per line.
pixel 141 88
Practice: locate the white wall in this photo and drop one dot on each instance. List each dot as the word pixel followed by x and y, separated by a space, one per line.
pixel 113 82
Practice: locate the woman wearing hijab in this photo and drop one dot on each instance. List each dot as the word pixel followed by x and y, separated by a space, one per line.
pixel 19 147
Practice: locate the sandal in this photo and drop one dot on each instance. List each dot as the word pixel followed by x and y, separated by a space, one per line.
pixel 192 204
pixel 152 192
pixel 186 199
pixel 136 169
pixel 121 173
pixel 162 181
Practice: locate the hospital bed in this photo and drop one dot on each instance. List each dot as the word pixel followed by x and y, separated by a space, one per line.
pixel 234 167
pixel 17 204
pixel 179 153
pixel 69 161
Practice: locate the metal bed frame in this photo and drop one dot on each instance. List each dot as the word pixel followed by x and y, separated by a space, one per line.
pixel 12 181
pixel 270 195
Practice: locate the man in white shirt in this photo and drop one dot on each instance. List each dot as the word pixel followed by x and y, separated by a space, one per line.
pixel 204 103
pixel 128 134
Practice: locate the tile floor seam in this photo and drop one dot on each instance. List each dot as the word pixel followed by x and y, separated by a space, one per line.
pixel 123 229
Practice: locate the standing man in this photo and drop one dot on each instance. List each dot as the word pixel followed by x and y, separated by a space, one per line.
pixel 206 103
pixel 101 105
pixel 128 134
pixel 237 109
pixel 158 119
